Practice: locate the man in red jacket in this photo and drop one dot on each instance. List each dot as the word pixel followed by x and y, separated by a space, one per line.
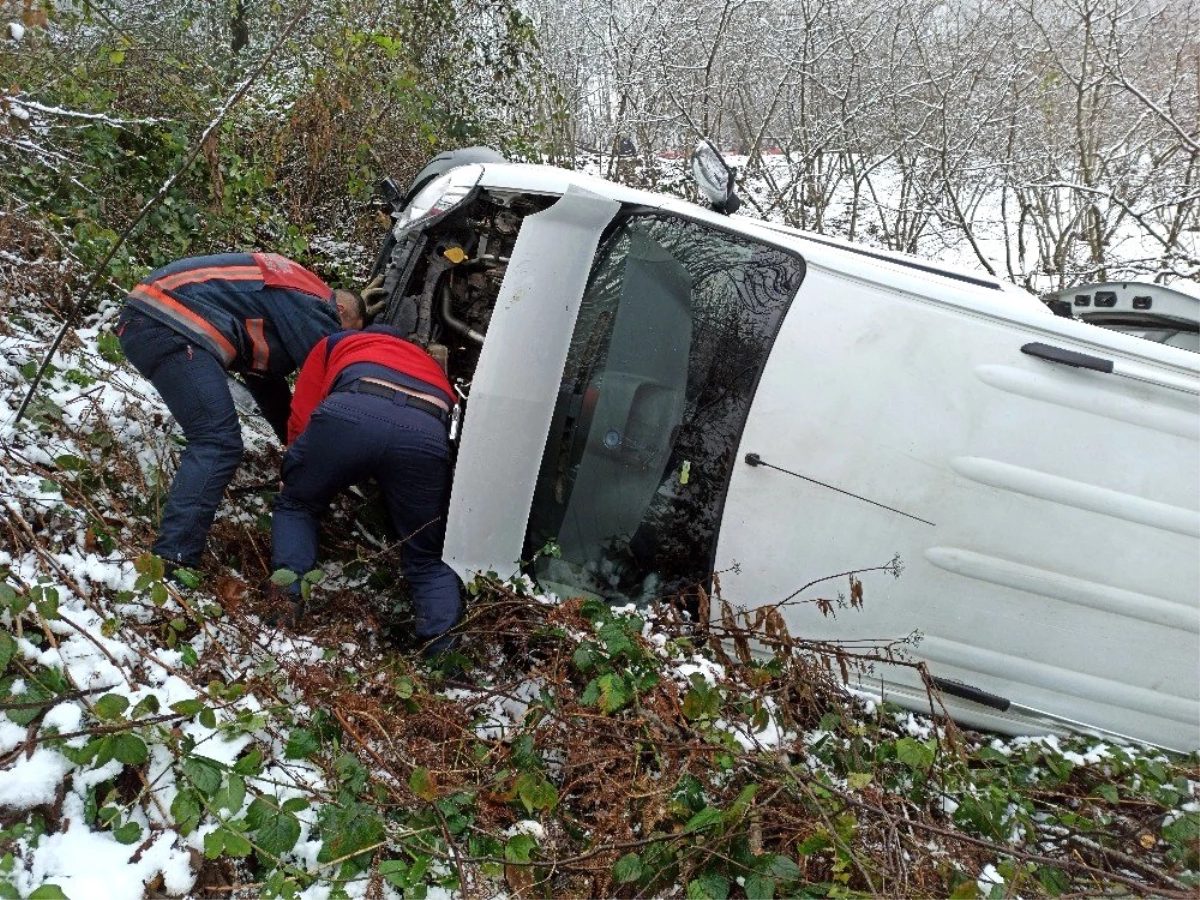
pixel 184 326
pixel 369 403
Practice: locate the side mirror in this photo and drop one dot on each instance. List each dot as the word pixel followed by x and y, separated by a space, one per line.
pixel 389 192
pixel 714 177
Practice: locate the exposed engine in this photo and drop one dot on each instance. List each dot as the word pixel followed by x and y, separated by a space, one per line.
pixel 443 281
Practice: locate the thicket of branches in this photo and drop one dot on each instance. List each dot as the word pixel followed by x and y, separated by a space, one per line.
pixel 1058 141
pixel 915 123
pixel 100 103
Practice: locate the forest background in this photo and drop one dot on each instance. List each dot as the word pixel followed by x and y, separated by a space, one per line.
pixel 1046 141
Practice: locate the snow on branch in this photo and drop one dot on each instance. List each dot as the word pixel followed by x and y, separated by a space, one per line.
pixel 21 107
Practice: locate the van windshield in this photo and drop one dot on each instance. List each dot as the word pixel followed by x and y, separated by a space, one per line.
pixel 672 335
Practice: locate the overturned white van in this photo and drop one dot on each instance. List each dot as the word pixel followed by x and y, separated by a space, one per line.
pixel 668 392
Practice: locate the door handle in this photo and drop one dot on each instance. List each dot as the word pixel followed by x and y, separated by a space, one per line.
pixel 1068 357
pixel 1132 371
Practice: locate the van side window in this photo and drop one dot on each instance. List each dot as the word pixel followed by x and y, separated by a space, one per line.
pixel 672 335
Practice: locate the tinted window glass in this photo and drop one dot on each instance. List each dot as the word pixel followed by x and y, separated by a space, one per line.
pixel 674 330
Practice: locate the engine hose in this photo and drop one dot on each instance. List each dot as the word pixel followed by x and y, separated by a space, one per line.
pixel 433 275
pixel 453 323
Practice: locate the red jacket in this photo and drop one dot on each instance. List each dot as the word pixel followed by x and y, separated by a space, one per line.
pixel 333 354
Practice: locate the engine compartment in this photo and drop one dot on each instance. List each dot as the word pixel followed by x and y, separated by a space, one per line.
pixel 442 279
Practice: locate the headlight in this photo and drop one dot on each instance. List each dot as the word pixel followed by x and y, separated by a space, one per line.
pixel 438 197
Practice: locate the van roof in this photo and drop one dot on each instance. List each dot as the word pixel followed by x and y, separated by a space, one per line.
pixel 947 283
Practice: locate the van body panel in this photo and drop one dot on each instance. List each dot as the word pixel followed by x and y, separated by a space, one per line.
pixel 1061 570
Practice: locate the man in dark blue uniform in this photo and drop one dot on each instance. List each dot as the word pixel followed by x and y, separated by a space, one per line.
pixel 184 326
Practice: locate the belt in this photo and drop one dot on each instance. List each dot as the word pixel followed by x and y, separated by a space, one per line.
pixel 396 393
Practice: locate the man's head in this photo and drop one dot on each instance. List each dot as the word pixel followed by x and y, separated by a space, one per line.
pixel 351 309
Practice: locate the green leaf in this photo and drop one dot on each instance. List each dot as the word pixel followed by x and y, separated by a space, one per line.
pixel 628 868
pixel 187 577
pixel 203 774
pixel 129 833
pixel 110 347
pixel 129 749
pixel 46 601
pixel 586 656
pixel 709 886
pixel 147 706
pixel 150 565
pixel 214 843
pixel 158 594
pixel 190 659
pixel 760 887
pixel 1183 832
pixel 348 830
pixel 394 872
pixel 784 868
pixel 423 784
pixel 301 743
pixel 236 845
pixel 70 463
pixel 207 717
pixel 609 692
pixel 250 764
pixel 1055 881
pixel 232 795
pixel 536 792
pixel 615 638
pixel 914 754
pixel 284 577
pixel 187 707
pixel 859 780
pixel 186 809
pixel 519 848
pixel 814 844
pixel 111 706
pixel 48 892
pixel 967 890
pixel 276 831
pixel 706 818
pixel 8 649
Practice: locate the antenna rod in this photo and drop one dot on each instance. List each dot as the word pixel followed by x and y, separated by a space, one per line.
pixel 753 459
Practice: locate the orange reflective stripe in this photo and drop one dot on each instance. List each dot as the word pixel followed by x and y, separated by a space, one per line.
pixel 258 343
pixel 154 295
pixel 195 276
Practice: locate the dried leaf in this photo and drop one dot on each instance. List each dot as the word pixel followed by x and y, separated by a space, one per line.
pixel 232 592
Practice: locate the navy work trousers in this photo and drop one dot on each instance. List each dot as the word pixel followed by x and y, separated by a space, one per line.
pixel 193 384
pixel 351 437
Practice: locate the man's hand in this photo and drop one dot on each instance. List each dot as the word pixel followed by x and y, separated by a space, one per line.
pixel 374 296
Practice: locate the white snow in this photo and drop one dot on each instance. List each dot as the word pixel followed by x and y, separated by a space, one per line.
pixel 32 781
